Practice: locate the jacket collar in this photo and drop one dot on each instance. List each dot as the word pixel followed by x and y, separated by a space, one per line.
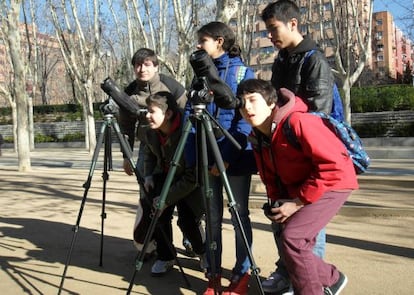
pixel 146 86
pixel 286 104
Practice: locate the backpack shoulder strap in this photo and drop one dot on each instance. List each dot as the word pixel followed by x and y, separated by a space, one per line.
pixel 307 56
pixel 176 89
pixel 288 132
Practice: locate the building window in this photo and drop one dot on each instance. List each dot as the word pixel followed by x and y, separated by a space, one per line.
pixel 303 29
pixel 379 22
pixel 267 50
pixel 303 10
pixel 260 34
pixel 378 35
pixel 380 57
pixel 327 6
pixel 327 25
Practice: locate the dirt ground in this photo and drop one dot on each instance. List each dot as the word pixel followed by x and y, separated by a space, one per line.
pixel 39 210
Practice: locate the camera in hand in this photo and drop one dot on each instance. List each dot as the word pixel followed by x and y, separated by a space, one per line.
pixel 267 207
pixel 120 97
pixel 213 86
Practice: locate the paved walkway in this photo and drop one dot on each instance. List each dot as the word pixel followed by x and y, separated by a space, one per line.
pixel 371 240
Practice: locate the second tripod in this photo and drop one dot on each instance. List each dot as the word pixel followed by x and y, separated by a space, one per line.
pixel 106 139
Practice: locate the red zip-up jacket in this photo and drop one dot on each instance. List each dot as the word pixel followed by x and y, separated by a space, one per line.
pixel 322 163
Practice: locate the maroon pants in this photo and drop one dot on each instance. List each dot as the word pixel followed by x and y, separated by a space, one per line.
pixel 308 272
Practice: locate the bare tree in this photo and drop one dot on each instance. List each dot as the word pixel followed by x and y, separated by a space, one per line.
pixel 226 9
pixel 10 29
pixel 168 27
pixel 352 24
pixel 79 35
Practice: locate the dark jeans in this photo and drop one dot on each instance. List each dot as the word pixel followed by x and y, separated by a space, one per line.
pixel 189 225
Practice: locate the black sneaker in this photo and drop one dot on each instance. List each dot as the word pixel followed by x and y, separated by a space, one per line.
pixel 337 287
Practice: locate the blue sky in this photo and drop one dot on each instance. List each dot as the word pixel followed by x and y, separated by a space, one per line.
pixel 401 10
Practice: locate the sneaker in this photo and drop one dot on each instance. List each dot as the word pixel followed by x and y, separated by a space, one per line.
pixel 289 291
pixel 337 287
pixel 161 267
pixel 276 283
pixel 214 284
pixel 188 248
pixel 150 252
pixel 238 285
pixel 203 261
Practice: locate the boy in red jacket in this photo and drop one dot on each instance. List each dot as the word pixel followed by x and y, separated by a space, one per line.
pixel 309 185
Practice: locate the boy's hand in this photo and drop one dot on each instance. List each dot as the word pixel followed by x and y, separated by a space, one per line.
pixel 286 209
pixel 215 171
pixel 148 183
pixel 127 167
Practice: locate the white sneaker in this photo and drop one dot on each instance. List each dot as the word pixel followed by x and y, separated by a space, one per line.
pixel 276 283
pixel 188 248
pixel 161 267
pixel 290 291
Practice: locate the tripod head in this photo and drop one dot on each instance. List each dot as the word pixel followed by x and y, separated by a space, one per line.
pixel 109 107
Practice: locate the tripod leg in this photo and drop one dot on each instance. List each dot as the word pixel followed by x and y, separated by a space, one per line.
pixel 105 177
pixel 207 196
pixel 86 185
pixel 167 184
pixel 232 204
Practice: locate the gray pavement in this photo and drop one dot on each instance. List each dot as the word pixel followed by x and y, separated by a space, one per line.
pixel 371 239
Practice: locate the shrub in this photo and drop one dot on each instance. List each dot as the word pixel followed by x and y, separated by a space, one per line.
pixel 73 137
pixel 44 138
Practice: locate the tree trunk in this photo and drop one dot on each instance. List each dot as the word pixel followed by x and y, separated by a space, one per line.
pixel 13 39
pixel 14 116
pixel 346 100
pixel 87 102
pixel 30 118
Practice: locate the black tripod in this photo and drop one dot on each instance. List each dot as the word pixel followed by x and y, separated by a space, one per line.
pixel 204 133
pixel 104 137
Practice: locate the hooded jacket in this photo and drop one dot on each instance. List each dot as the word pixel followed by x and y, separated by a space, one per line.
pixel 312 80
pixel 321 165
pixel 157 158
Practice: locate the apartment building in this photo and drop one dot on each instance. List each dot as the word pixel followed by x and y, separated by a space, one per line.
pixel 392 51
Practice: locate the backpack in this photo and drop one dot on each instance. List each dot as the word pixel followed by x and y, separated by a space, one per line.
pixel 344 132
pixel 337 111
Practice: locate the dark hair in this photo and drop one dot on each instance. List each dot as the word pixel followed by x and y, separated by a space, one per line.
pixel 219 29
pixel 164 100
pixel 282 10
pixel 265 88
pixel 144 54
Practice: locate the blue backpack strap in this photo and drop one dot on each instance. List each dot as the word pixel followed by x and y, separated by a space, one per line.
pixel 307 56
pixel 290 135
pixel 337 106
